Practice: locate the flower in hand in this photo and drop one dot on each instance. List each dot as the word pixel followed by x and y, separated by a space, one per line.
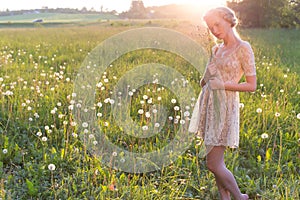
pixel 216 84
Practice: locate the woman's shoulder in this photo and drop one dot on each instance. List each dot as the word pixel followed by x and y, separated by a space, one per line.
pixel 245 46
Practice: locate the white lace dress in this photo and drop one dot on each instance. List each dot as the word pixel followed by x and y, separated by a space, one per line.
pixel 215 116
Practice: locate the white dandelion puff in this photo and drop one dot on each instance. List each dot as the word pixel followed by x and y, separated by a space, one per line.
pixel 264 136
pixel 51 167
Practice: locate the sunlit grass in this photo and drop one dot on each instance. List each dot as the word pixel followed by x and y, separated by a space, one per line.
pixel 38 131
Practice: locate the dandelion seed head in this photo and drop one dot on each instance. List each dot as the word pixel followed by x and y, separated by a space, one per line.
pixel 277 114
pixel 44 139
pixel 74 135
pixel 114 154
pixel 141 111
pixel 91 136
pixel 173 101
pixel 51 167
pixel 5 151
pixel 186 113
pixel 258 110
pixel 39 134
pixel 264 136
pixel 176 108
pixel 145 128
pixel 156 125
pixel 298 116
pixel 147 114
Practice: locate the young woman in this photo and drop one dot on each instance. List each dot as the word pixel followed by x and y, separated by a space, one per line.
pixel 216 114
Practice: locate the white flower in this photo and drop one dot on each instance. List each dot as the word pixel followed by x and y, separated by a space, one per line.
pixel 44 139
pixel 264 136
pixel 145 97
pixel 111 101
pixel 154 111
pixel 51 167
pixel 74 135
pixel 141 111
pixel 281 91
pixel 156 125
pixel 114 154
pixel 85 124
pixel 147 114
pixel 130 93
pixel 159 98
pixel 176 108
pixel 186 113
pixel 39 133
pixel 173 101
pixel 277 114
pixel 99 114
pixel 182 121
pixel 91 136
pixel 241 105
pixel 4 151
pixel 95 142
pixel 106 124
pixel 145 128
pixel 258 110
pixel 47 128
pixel 298 116
pixel 170 118
pixel 99 104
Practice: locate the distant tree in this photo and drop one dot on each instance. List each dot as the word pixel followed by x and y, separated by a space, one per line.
pixel 84 10
pixel 267 13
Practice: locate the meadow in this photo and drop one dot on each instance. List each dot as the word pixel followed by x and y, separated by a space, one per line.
pixel 43 156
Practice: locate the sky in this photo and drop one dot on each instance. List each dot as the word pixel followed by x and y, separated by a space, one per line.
pixel 118 5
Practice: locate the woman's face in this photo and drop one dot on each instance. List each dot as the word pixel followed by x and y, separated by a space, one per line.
pixel 218 26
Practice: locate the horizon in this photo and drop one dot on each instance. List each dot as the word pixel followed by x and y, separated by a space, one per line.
pixel 117 5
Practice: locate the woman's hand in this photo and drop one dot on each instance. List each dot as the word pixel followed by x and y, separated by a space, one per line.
pixel 216 84
pixel 211 69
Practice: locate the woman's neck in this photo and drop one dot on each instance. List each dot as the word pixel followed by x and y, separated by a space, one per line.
pixel 231 40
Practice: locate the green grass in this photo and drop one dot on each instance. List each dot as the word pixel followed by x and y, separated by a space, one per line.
pixel 56 17
pixel 40 66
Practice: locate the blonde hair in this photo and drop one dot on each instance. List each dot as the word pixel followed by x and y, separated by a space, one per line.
pixel 224 12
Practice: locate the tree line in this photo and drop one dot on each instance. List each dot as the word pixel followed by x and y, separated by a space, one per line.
pixel 267 13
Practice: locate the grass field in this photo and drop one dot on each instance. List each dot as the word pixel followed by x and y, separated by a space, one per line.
pixel 42 156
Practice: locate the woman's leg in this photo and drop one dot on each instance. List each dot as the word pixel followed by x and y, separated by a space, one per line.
pixel 224 178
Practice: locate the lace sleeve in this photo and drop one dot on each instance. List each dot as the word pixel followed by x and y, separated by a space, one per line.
pixel 247 60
